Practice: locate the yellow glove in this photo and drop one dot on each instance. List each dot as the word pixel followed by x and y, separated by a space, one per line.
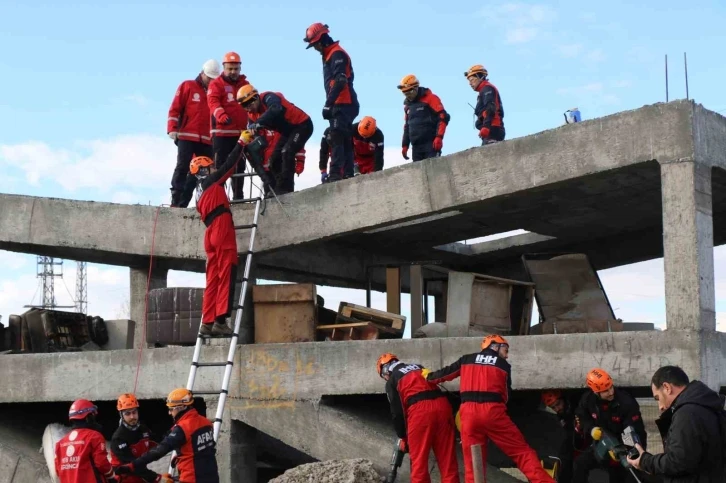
pixel 246 137
pixel 425 373
pixel 596 433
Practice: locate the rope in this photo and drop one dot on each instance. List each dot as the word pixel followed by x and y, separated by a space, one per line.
pixel 146 300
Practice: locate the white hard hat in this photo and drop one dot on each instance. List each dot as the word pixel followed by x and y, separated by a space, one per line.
pixel 211 69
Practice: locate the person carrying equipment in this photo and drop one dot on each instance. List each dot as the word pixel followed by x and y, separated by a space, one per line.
pixel 228 117
pixel 263 149
pixel 422 417
pixel 80 456
pixel 188 126
pixel 341 104
pixel 192 437
pixel 489 111
pixel 425 120
pixel 485 388
pixel 220 242
pixel 270 110
pixel 131 440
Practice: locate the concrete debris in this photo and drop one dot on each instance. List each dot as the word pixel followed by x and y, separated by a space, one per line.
pixel 334 471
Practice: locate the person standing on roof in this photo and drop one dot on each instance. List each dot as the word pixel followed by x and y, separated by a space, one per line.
pixel 485 387
pixel 367 148
pixel 270 110
pixel 425 120
pixel 192 437
pixel 341 104
pixel 80 456
pixel 228 117
pixel 489 111
pixel 131 440
pixel 188 126
pixel 422 418
pixel 613 410
pixel 220 242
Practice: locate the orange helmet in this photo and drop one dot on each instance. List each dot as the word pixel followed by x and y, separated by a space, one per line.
pixel 386 358
pixel 246 93
pixel 492 339
pixel 476 70
pixel 231 58
pixel 314 33
pixel 409 82
pixel 550 397
pixel 126 401
pixel 179 397
pixel 367 127
pixel 200 162
pixel 598 380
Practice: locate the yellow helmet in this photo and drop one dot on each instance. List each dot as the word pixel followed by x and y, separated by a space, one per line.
pixel 179 397
pixel 476 70
pixel 409 82
pixel 246 93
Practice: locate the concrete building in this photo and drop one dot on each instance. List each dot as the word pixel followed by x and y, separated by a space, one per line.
pixel 629 187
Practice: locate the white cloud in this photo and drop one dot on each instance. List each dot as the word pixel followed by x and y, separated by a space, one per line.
pixel 521 35
pixel 523 22
pixel 595 56
pixel 570 50
pixel 138 99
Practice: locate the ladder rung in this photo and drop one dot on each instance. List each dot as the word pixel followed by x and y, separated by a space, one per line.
pixel 245 227
pixel 210 393
pixel 218 420
pixel 243 175
pixel 212 364
pixel 226 336
pixel 246 200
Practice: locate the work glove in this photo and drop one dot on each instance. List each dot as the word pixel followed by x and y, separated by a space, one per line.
pixel 299 167
pixel 425 373
pixel 403 445
pixel 224 119
pixel 438 144
pixel 126 469
pixel 324 176
pixel 173 135
pixel 327 113
pixel 484 133
pixel 404 152
pixel 254 127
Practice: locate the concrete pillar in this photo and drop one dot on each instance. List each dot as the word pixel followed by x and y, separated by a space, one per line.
pixel 243 452
pixel 416 280
pixel 440 301
pixel 137 296
pixel 688 246
pixel 458 308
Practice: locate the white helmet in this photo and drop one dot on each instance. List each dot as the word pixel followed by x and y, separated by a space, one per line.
pixel 211 69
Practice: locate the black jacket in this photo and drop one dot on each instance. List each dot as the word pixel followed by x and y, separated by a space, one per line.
pixel 692 439
pixel 614 416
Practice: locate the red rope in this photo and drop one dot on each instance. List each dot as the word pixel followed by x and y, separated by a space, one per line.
pixel 146 301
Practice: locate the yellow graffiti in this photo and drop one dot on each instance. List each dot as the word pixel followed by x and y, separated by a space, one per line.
pixel 268 379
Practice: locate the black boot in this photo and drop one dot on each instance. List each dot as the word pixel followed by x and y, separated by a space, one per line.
pixel 175 198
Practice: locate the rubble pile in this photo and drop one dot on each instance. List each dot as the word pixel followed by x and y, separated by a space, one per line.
pixel 335 471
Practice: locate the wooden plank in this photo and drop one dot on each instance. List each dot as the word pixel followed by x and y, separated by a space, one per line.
pixel 393 289
pixel 285 292
pixel 361 313
pixel 490 306
pixel 354 331
pixel 358 325
pixel 416 282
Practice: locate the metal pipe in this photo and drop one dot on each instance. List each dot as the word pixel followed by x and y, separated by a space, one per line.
pixel 666 73
pixel 685 64
pixel 477 463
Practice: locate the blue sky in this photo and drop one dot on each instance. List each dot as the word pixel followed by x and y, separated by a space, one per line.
pixel 88 85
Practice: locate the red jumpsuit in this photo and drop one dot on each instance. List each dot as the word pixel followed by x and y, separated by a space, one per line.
pixel 423 417
pixel 485 386
pixel 80 457
pixel 220 242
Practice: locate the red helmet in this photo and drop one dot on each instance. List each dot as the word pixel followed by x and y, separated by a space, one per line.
pixel 81 408
pixel 314 32
pixel 550 397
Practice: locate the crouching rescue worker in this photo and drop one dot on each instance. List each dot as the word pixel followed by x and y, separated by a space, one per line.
pixel 263 149
pixel 425 120
pixel 192 437
pixel 574 441
pixel 422 417
pixel 612 410
pixel 341 103
pixel 367 148
pixel 131 440
pixel 80 456
pixel 485 386
pixel 270 110
pixel 488 111
pixel 220 242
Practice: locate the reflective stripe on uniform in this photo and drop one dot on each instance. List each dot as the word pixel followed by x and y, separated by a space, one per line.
pixel 226 131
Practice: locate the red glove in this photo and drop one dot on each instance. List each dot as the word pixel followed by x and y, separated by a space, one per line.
pixel 404 152
pixel 438 144
pixel 224 118
pixel 299 167
pixel 484 133
pixel 403 445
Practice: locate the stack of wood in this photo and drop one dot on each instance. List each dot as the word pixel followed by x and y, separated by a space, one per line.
pixel 355 322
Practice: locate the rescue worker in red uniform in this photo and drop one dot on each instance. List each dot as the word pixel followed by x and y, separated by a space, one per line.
pixel 131 440
pixel 220 242
pixel 367 148
pixel 341 104
pixel 227 116
pixel 489 111
pixel 188 126
pixel 80 456
pixel 574 441
pixel 192 437
pixel 425 120
pixel 613 410
pixel 485 388
pixel 270 110
pixel 263 149
pixel 422 417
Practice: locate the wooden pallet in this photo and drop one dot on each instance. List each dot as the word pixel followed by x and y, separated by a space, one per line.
pixel 357 331
pixel 362 314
